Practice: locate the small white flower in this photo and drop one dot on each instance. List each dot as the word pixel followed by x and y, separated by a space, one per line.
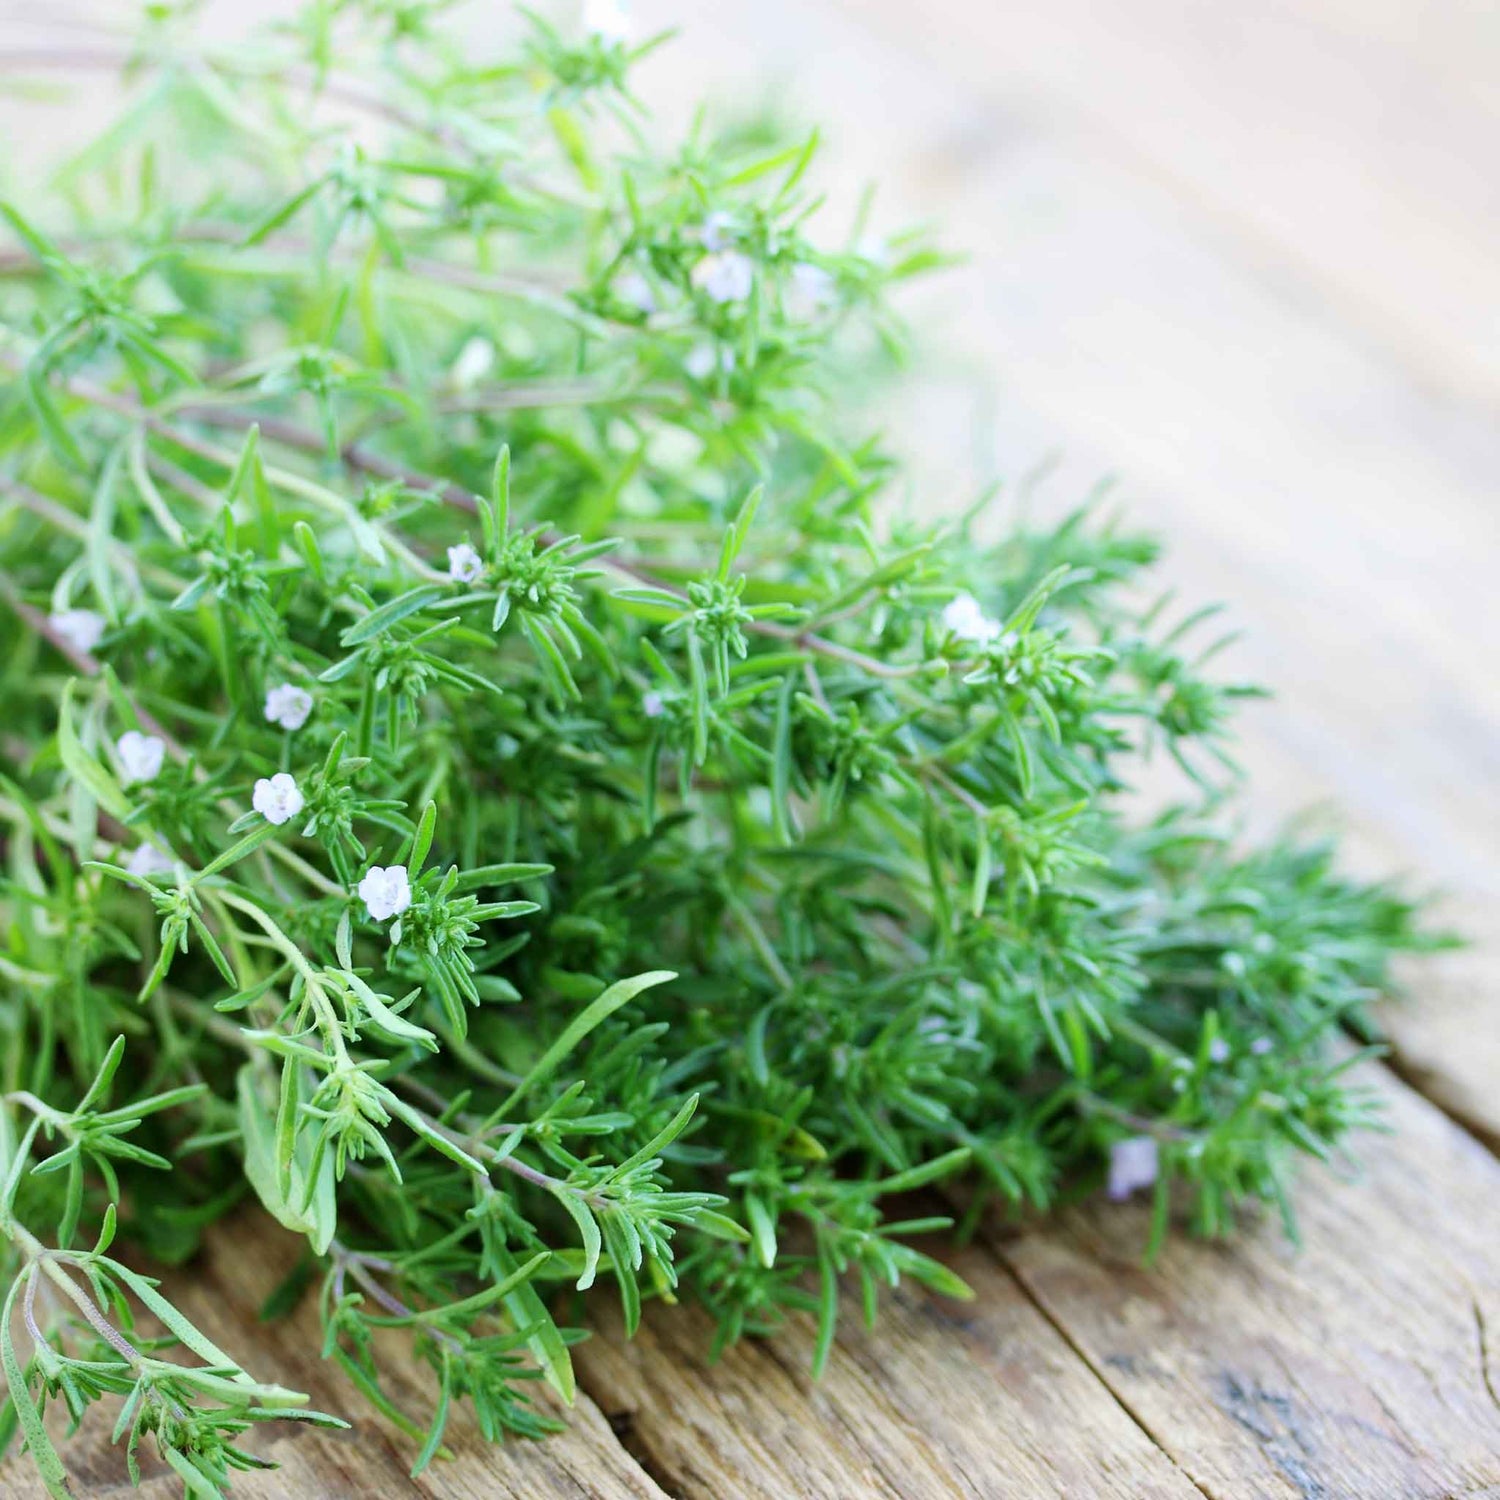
pixel 140 755
pixel 288 705
pixel 609 20
pixel 703 359
pixel 278 798
pixel 148 860
pixel 1261 1045
pixel 386 891
pixel 725 275
pixel 464 563
pixel 632 288
pixel 1133 1164
pixel 82 629
pixel 475 360
pixel 652 704
pixel 812 289
pixel 1218 1050
pixel 963 617
pixel 716 232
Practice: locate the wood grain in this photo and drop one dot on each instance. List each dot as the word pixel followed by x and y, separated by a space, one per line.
pixel 1365 1364
pixel 942 1400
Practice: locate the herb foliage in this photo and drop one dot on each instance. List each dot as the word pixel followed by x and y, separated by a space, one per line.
pixel 481 741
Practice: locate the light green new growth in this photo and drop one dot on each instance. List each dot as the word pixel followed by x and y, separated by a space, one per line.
pixel 490 772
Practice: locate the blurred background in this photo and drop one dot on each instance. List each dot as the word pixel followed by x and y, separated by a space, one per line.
pixel 1239 260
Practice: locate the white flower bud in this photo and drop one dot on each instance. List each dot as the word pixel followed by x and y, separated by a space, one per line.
pixel 82 629
pixel 716 231
pixel 386 891
pixel 632 288
pixel 475 360
pixel 464 564
pixel 277 799
pixel 140 755
pixel 702 360
pixel 288 705
pixel 725 275
pixel 963 617
pixel 148 860
pixel 810 292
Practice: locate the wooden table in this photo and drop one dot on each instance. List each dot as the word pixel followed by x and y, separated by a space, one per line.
pixel 1244 257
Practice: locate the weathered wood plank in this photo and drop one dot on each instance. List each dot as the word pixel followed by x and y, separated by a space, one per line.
pixel 1366 1364
pixel 942 1400
pixel 1348 150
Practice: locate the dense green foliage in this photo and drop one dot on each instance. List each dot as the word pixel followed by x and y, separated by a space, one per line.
pixel 483 746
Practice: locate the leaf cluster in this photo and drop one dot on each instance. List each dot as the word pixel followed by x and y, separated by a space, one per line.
pixel 484 740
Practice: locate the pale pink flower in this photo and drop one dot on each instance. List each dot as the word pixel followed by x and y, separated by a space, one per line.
pixel 1133 1163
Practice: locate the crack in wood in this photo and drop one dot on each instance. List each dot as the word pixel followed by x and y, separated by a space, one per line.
pixel 1430 1084
pixel 1081 1354
pixel 1484 1352
pixel 630 1436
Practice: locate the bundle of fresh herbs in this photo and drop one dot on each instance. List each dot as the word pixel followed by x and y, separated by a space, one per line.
pixel 490 773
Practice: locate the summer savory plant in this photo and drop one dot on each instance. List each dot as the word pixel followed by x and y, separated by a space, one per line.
pixel 490 773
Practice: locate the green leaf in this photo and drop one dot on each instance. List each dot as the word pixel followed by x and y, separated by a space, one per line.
pixel 439 1422
pixel 237 851
pixel 84 769
pixel 421 840
pixel 189 1336
pixel 103 1078
pixel 588 1228
pixel 396 1027
pixel 495 517
pixel 593 1014
pixel 663 1137
pixel 378 621
pixel 739 529
pixel 258 1132
pixel 434 1138
pixel 48 1465
pixel 545 1341
pixel 101 534
pixel 283 214
pixel 482 875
